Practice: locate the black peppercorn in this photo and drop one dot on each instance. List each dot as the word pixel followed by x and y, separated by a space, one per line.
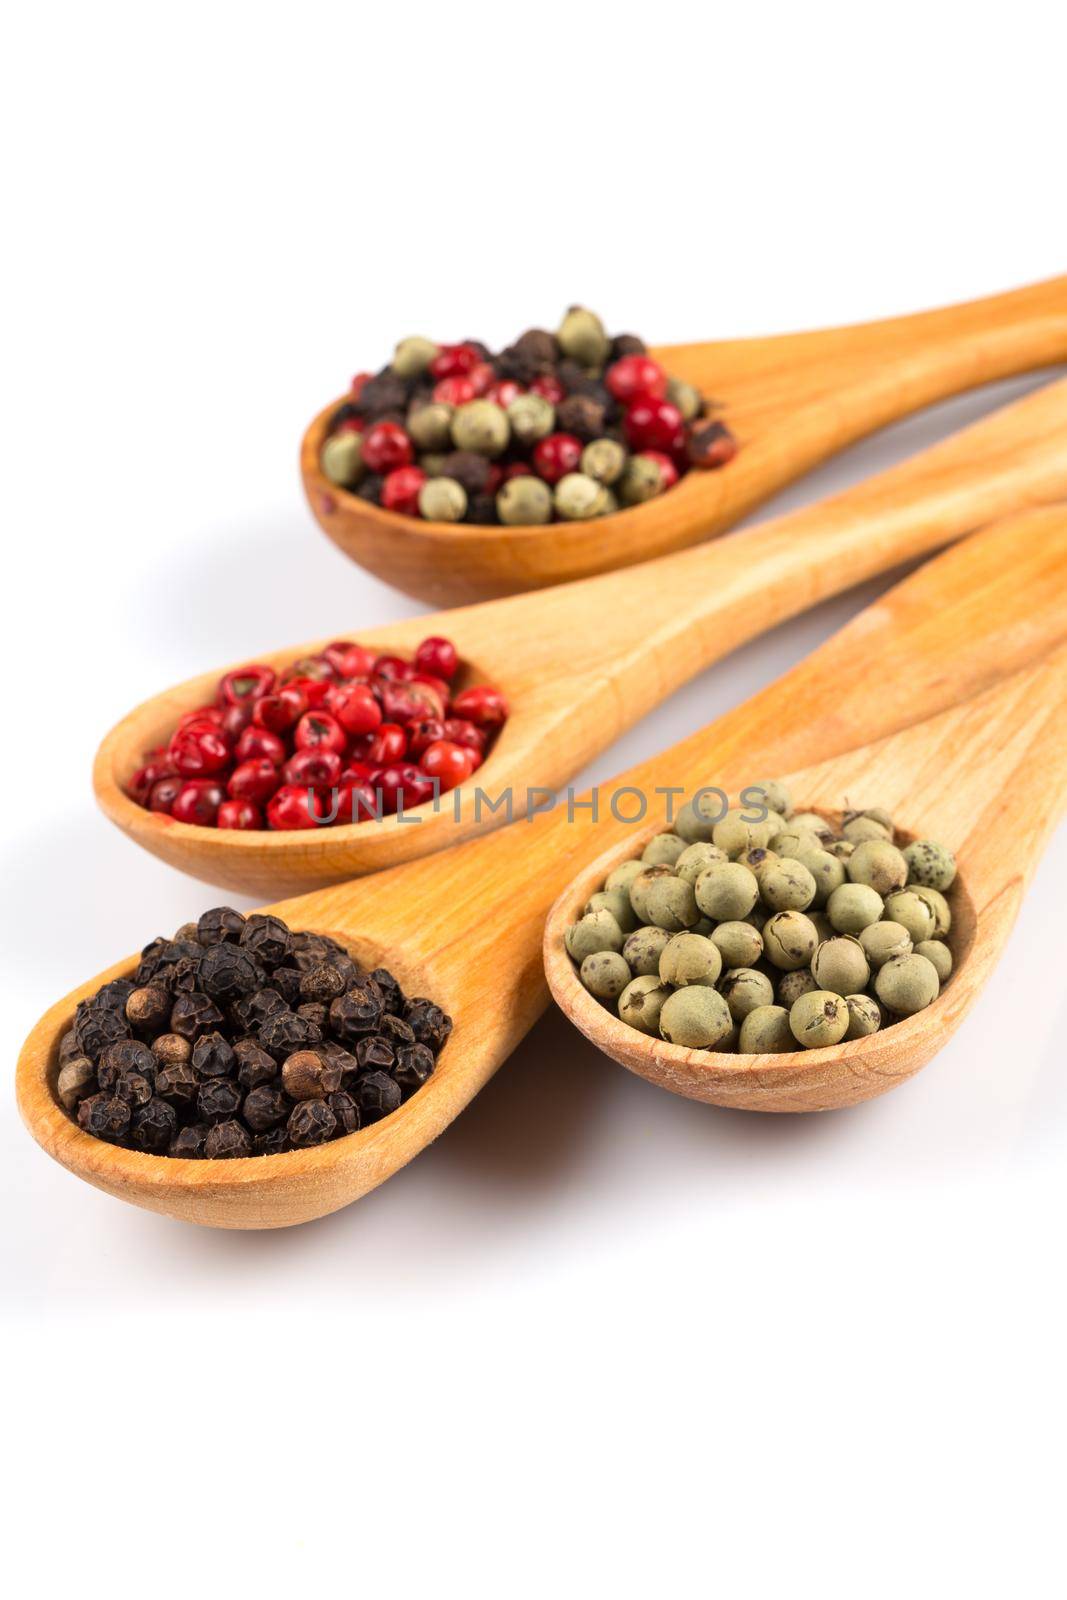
pixel 307 1075
pixel 135 1090
pixel 254 1064
pixel 68 1047
pixel 264 1108
pixel 223 922
pixel 227 1141
pixel 217 1099
pixel 482 508
pixel 114 995
pixel 375 1053
pixel 386 392
pixel 267 938
pixel 377 1094
pixel 125 1055
pixel 261 1005
pixel 286 982
pixel 170 1049
pixel 314 1011
pixel 397 1030
pixel 148 1008
pixel 193 1015
pixel 281 1035
pixel 429 1023
pixel 188 1143
pixel 311 1123
pixel 627 344
pixel 322 983
pixel 468 469
pixel 356 1012
pixel 105 1116
pixel 711 444
pixel 95 1030
pixel 391 992
pixel 580 414
pixel 177 1084
pixel 414 1064
pixel 213 1057
pixel 274 1143
pixel 370 488
pixel 153 1125
pixel 227 970
pixel 346 1111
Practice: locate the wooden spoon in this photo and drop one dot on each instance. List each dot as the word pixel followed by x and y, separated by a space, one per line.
pixel 582 663
pixel 465 927
pixel 791 400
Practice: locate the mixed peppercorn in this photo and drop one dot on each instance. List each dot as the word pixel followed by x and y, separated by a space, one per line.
pixel 761 930
pixel 339 737
pixel 239 1037
pixel 566 425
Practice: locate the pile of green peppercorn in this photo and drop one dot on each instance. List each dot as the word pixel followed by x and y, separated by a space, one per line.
pixel 559 426
pixel 734 934
pixel 239 1037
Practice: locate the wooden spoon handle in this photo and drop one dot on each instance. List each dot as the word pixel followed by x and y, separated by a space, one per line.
pixel 930 353
pixel 637 634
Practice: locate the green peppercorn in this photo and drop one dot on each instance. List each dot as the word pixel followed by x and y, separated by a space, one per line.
pixel 689 958
pixel 480 426
pixel 824 928
pixel 765 1031
pixel 813 822
pixel 739 943
pixel 685 397
pixel 853 907
pixel 793 842
pixel 939 955
pixel 829 873
pixel 641 481
pixel 617 901
pixel 737 832
pixel 531 418
pixel 930 864
pixel 604 460
pixel 791 985
pixel 622 876
pixel 605 974
pixel 643 949
pixel 641 888
pixel 726 891
pixel 786 886
pixel 913 913
pixel 757 858
pixel 864 1016
pixel 524 500
pixel 578 497
pixel 594 932
pixel 696 1017
pixel 342 459
pixel 878 864
pixel 743 989
pixel 842 849
pixel 696 858
pixel 867 825
pixel 581 336
pixel 430 426
pixel 776 797
pixel 672 904
pixel 663 850
pixel 413 356
pixel 938 905
pixel 696 821
pixel 443 500
pixel 841 966
pixel 819 1019
pixel 882 941
pixel 641 1002
pixel 907 984
pixel 789 940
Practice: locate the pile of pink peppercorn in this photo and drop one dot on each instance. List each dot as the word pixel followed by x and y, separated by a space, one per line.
pixel 339 737
pixel 569 426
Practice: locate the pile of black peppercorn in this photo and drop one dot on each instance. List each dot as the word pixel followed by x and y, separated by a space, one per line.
pixel 239 1037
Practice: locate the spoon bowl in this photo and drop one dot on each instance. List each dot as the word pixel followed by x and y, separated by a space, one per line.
pixel 791 400
pixel 581 663
pixel 466 925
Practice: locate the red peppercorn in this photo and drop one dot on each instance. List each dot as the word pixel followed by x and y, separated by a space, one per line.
pixel 402 785
pixel 199 751
pixel 450 392
pixel 235 720
pixel 481 377
pixel 316 691
pixel 518 469
pixel 407 702
pixel 141 784
pixel 549 388
pixel 438 656
pixel 294 807
pixel 460 731
pixel 504 392
pixel 334 655
pixel 243 815
pixel 313 769
pixel 653 424
pixel 449 763
pixel 256 742
pixel 453 361
pixel 280 711
pixel 667 470
pixel 164 793
pixel 355 708
pixel 394 668
pixel 557 455
pixel 385 446
pixel 198 801
pixel 356 802
pixel 424 733
pixel 357 662
pixel 635 377
pixel 254 780
pixel 388 744
pixel 350 425
pixel 318 730
pixel 400 490
pixel 246 684
pixel 482 705
pixel 357 772
pixel 209 716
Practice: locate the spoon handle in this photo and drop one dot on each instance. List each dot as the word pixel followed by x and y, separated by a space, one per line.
pixel 924 356
pixel 629 638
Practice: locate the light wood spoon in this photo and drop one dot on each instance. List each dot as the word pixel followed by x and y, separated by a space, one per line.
pixel 465 927
pixel 582 663
pixel 791 400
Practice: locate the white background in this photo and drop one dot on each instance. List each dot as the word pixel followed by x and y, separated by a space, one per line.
pixel 598 1338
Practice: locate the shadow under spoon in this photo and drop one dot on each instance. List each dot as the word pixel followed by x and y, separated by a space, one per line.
pixel 466 926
